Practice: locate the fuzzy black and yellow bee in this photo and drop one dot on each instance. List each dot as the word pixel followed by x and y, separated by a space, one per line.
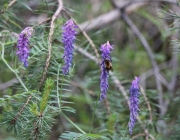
pixel 108 65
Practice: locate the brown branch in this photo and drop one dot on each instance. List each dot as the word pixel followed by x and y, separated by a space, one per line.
pixel 8 83
pixel 52 26
pixel 117 4
pixel 87 54
pixel 119 86
pixel 21 110
pixel 91 42
pixel 138 135
pixel 107 18
pixel 114 15
pixel 41 22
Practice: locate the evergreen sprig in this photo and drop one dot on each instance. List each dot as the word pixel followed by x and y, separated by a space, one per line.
pixel 49 85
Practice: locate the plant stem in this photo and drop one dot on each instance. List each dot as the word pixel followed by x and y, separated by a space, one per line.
pixel 14 71
pixel 72 123
pixel 62 86
pixel 59 101
pixel 94 114
pixel 124 132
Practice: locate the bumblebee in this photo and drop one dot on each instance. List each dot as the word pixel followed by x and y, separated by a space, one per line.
pixel 108 65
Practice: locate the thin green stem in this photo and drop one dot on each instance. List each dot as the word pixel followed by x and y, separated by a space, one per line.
pixel 62 87
pixel 59 101
pixel 72 123
pixel 14 71
pixel 20 81
pixel 94 114
pixel 65 115
pixel 124 132
pixel 15 62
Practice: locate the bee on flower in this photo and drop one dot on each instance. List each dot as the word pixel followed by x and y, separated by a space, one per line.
pixel 105 67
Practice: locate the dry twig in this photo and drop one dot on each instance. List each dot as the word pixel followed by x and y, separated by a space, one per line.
pixel 42 22
pixel 8 83
pixel 114 15
pixel 138 135
pixel 52 26
pixel 21 110
pixel 90 41
pixel 107 18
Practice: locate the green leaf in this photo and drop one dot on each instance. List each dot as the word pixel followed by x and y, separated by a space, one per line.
pixel 26 6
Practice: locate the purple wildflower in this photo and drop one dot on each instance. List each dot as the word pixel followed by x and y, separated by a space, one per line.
pixel 68 39
pixel 106 50
pixel 134 101
pixel 22 46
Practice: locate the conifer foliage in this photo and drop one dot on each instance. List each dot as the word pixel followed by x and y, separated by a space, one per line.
pixel 64 80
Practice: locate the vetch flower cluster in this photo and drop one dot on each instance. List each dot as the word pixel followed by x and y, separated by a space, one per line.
pixel 68 39
pixel 22 46
pixel 106 51
pixel 134 101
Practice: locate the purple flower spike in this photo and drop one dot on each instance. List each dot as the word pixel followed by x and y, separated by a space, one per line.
pixel 106 58
pixel 68 39
pixel 22 46
pixel 134 101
